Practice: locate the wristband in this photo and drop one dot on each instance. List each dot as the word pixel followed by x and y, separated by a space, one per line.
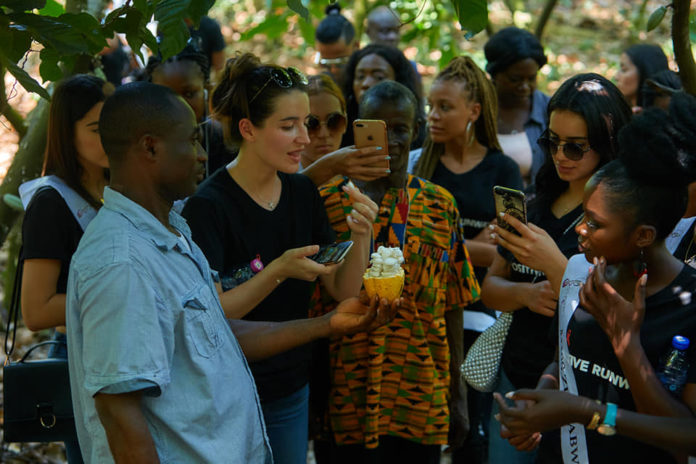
pixel 608 427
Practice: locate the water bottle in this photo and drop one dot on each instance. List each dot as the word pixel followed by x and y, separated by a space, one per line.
pixel 674 366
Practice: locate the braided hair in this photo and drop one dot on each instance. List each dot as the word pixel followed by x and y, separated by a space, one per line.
pixel 479 89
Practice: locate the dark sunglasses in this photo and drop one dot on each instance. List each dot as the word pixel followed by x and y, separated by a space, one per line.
pixel 284 78
pixel 572 150
pixel 334 122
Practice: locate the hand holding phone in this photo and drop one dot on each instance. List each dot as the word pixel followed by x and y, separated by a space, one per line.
pixel 371 133
pixel 332 254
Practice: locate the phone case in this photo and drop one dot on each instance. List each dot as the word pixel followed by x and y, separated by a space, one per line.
pixel 511 202
pixel 370 133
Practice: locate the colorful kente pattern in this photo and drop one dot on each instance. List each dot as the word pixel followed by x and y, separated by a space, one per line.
pixel 395 380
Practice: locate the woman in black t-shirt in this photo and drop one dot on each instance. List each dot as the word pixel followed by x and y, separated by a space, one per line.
pixel 258 223
pixel 461 153
pixel 637 297
pixel 584 116
pixel 59 206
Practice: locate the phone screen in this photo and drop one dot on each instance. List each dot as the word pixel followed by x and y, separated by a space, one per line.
pixel 332 254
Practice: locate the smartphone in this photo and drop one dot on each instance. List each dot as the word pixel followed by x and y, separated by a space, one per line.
pixel 372 133
pixel 332 254
pixel 512 202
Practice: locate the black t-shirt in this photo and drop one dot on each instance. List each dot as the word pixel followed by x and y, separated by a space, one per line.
pixel 473 190
pixel 209 37
pixel 50 231
pixel 527 349
pixel 232 229
pixel 598 374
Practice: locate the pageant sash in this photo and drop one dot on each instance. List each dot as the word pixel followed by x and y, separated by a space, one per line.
pixel 672 241
pixel 83 211
pixel 573 444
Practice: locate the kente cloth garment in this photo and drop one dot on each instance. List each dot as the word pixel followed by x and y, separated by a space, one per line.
pixel 395 380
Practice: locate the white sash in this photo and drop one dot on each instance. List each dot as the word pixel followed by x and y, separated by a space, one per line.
pixel 83 211
pixel 573 442
pixel 672 241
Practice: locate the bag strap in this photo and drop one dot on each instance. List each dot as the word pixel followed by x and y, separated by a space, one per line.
pixel 48 342
pixel 14 309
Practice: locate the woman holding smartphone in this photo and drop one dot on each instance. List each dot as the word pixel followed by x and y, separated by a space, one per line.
pixel 323 157
pixel 258 223
pixel 585 115
pixel 618 317
pixel 60 205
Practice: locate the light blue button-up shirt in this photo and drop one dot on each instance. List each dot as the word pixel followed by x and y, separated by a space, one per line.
pixel 143 314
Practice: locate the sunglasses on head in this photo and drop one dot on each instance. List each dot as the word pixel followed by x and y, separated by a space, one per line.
pixel 334 122
pixel 574 151
pixel 284 78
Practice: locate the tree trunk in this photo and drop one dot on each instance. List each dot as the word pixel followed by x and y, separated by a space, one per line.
pixel 544 18
pixel 682 45
pixel 26 164
pixel 13 117
pixel 359 14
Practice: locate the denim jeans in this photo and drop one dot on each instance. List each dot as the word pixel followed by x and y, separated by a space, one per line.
pixel 499 450
pixel 72 447
pixel 287 422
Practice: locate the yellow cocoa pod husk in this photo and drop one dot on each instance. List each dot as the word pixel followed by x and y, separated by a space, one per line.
pixel 385 287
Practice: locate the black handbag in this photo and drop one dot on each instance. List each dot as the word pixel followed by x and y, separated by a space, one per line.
pixel 37 403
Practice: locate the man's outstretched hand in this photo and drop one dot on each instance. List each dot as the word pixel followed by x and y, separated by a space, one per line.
pixel 362 314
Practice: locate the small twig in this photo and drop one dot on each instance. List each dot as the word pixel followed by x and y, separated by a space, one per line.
pixel 420 12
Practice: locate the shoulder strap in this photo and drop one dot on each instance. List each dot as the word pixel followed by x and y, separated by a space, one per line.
pixel 14 310
pixel 672 241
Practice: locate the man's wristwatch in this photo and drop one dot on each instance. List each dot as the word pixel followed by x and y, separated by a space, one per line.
pixel 608 427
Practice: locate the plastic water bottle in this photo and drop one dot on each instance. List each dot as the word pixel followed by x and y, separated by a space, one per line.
pixel 674 366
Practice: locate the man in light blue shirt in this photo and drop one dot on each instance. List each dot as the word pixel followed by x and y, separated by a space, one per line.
pixel 156 373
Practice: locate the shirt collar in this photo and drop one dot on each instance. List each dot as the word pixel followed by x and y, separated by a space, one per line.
pixel 539 104
pixel 143 220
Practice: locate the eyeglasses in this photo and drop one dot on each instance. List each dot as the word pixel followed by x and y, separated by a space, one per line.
pixel 572 150
pixel 335 122
pixel 284 78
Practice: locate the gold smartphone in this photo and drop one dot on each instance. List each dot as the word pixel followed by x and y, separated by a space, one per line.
pixel 372 133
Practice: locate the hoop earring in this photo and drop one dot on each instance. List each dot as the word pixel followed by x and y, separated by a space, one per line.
pixel 470 135
pixel 642 266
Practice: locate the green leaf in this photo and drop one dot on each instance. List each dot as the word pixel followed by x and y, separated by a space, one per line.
pixel 472 15
pixel 15 42
pixel 23 77
pixel 13 201
pixel 299 8
pixel 307 31
pixel 88 27
pixel 52 33
pixel 199 8
pixel 656 17
pixel 52 8
pixel 273 27
pixel 49 69
pixel 170 14
pixel 23 5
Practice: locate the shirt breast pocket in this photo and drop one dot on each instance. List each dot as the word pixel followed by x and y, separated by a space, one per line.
pixel 202 327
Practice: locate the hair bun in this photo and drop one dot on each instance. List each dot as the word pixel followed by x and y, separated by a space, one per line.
pixel 235 69
pixel 332 9
pixel 656 151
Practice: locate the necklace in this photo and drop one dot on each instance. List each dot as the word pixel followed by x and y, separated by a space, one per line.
pixel 263 202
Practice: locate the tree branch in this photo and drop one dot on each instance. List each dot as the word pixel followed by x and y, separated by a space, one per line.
pixel 682 45
pixel 15 119
pixel 544 18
